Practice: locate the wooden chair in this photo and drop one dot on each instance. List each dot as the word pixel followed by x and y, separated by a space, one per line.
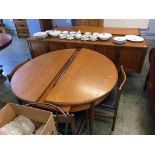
pixel 76 121
pixel 10 75
pixel 108 108
pixel 57 110
pixel 64 119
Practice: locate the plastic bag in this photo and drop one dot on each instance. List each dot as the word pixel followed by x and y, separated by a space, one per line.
pixel 19 126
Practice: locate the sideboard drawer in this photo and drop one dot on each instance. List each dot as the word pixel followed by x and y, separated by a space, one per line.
pixel 78 45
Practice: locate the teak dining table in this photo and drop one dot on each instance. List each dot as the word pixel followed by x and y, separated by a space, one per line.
pixel 72 79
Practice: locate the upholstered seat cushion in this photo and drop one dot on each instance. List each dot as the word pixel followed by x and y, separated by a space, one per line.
pixel 80 120
pixel 109 102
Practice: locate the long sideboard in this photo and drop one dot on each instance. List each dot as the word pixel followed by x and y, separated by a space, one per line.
pixel 131 54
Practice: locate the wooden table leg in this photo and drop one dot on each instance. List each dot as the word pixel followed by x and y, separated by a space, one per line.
pixel 91 118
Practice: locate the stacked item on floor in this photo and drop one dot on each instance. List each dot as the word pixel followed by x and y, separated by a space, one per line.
pixel 24 120
pixel 21 126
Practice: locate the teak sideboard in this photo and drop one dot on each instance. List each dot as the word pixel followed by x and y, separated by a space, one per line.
pixel 131 54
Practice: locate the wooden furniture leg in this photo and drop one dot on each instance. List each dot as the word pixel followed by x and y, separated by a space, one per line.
pixel 72 124
pixel 91 118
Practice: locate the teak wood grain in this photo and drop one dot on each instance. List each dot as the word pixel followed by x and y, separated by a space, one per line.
pixel 89 77
pixel 32 79
pixel 65 77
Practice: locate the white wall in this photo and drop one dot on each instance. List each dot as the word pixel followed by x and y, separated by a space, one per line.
pixel 130 23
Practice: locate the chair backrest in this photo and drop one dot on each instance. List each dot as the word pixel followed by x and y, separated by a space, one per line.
pixel 122 78
pixel 10 75
pixel 121 82
pixel 58 113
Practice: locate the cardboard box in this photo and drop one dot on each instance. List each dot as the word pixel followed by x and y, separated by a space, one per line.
pixel 37 116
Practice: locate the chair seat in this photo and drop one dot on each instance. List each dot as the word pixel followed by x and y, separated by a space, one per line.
pixel 80 120
pixel 109 102
pixel 108 108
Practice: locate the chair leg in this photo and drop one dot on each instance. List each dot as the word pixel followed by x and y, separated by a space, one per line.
pixel 87 122
pixel 72 124
pixel 113 124
pixel 145 83
pixel 114 121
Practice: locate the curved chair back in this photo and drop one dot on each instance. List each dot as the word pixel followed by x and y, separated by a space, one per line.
pixel 10 75
pixel 122 80
pixel 111 103
pixel 57 111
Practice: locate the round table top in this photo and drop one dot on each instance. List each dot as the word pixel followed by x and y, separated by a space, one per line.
pixel 5 40
pixel 66 77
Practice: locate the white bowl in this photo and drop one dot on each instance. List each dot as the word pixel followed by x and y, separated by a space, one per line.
pixel 78 36
pixel 39 35
pixel 69 37
pixel 119 40
pixel 95 33
pixel 49 31
pixel 65 32
pixel 93 38
pixel 88 34
pixel 54 33
pixel 84 37
pixel 104 36
pixel 62 36
pixel 72 32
